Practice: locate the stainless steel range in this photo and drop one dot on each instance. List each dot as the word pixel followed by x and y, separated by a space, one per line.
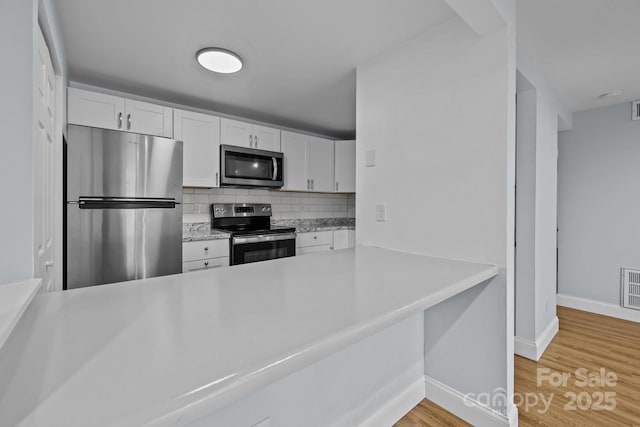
pixel 252 236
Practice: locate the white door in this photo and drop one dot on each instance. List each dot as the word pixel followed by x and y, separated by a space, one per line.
pixel 148 119
pixel 95 109
pixel 345 164
pixel 45 167
pixel 294 148
pixel 266 138
pixel 321 161
pixel 200 134
pixel 234 132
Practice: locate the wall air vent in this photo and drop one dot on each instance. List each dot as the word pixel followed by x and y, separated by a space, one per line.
pixel 630 288
pixel 635 110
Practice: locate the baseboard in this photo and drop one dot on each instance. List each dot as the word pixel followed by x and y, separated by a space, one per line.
pixel 394 409
pixel 598 307
pixel 470 410
pixel 535 349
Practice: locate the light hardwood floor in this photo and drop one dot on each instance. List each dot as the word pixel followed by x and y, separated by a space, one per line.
pixel 586 341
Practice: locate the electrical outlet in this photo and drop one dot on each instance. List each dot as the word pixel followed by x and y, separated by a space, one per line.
pixel 381 212
pixel 197 208
pixel 371 158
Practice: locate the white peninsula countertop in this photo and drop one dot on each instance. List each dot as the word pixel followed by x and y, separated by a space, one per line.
pixel 168 350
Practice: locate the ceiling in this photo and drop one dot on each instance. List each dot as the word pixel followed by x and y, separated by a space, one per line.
pixel 584 48
pixel 300 56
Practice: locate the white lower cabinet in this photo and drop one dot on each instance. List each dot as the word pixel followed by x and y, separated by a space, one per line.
pixel 204 264
pixel 321 241
pixel 205 254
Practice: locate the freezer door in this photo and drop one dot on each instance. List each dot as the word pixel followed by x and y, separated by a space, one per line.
pixel 106 244
pixel 106 163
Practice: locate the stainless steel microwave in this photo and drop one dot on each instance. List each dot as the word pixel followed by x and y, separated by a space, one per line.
pixel 249 167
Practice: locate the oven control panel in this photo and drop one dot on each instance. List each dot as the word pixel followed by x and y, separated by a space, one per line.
pixel 232 210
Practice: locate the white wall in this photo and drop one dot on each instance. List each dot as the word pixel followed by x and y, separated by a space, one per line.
pixel 17 43
pixel 438 111
pixel 525 214
pixel 435 113
pixel 540 115
pixel 599 208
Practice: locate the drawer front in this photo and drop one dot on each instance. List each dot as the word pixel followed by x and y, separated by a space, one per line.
pixel 317 238
pixel 204 264
pixel 313 249
pixel 194 251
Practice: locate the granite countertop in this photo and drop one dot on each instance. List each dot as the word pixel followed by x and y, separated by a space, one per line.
pixel 169 350
pixel 198 231
pixel 320 224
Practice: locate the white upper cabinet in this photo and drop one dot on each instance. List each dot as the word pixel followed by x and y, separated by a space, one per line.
pixel 95 109
pixel 148 119
pixel 345 164
pixel 234 132
pixel 308 163
pixel 265 138
pixel 200 134
pixel 242 134
pixel 112 112
pixel 294 148
pixel 321 160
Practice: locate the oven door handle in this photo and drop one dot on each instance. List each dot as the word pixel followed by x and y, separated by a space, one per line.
pixel 243 240
pixel 275 168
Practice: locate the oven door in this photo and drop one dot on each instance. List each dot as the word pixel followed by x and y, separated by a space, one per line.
pixel 248 167
pixel 246 249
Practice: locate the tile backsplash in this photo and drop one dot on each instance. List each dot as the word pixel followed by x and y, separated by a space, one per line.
pixel 285 205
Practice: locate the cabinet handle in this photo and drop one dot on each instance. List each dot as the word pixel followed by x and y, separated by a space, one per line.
pixel 336 186
pixel 308 184
pixel 206 264
pixel 128 121
pixel 119 120
pixel 256 138
pixel 312 184
pixel 251 141
pixel 217 179
pixel 315 237
pixel 206 248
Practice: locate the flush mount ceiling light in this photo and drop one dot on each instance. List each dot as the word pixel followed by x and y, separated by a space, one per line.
pixel 219 60
pixel 610 94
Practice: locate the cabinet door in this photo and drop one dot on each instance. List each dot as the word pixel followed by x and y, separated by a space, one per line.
pixel 345 164
pixel 321 160
pixel 294 148
pixel 340 239
pixel 148 119
pixel 265 138
pixel 234 132
pixel 200 134
pixel 313 250
pixel 95 109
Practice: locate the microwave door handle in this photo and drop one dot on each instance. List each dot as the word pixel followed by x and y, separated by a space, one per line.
pixel 275 168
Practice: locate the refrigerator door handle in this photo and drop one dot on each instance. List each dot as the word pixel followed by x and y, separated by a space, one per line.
pixel 125 203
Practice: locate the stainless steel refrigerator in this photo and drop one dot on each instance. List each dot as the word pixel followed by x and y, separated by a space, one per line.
pixel 123 206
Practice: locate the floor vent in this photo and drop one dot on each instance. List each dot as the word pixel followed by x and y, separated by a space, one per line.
pixel 631 288
pixel 635 110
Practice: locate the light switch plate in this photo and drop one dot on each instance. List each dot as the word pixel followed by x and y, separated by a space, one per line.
pixel 371 158
pixel 381 212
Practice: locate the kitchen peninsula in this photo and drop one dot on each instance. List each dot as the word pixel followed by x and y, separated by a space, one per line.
pixel 172 350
